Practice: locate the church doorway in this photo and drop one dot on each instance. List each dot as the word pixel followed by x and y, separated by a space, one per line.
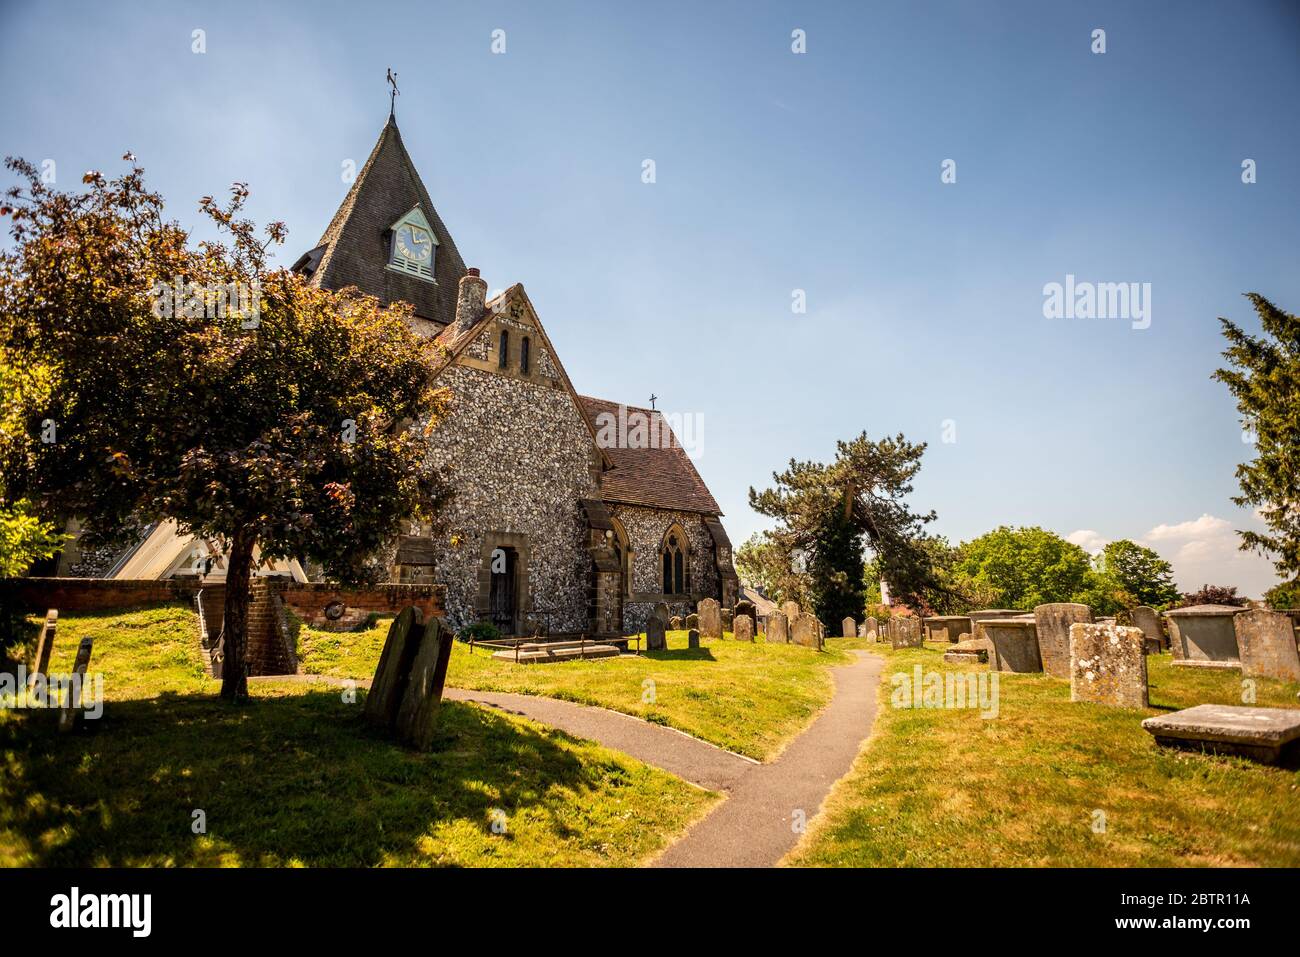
pixel 504 590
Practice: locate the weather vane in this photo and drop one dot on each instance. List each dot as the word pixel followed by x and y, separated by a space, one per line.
pixel 392 96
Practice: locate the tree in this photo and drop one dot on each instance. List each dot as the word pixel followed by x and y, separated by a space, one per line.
pixel 829 512
pixel 761 563
pixel 197 384
pixel 1026 566
pixel 1264 378
pixel 1138 573
pixel 24 538
pixel 1213 595
pixel 1284 595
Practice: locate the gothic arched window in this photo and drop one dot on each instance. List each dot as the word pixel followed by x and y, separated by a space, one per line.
pixel 503 351
pixel 674 564
pixel 523 356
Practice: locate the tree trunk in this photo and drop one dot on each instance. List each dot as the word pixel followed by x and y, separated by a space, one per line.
pixel 239 563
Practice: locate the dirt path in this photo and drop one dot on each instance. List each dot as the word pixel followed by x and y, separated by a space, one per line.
pixel 760 821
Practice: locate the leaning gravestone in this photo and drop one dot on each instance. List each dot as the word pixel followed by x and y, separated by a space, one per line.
pixel 742 628
pixel 806 630
pixel 1267 641
pixel 1108 665
pixel 655 639
pixel 1053 622
pixel 791 610
pixel 70 713
pixel 710 618
pixel 417 715
pixel 1146 618
pixel 44 645
pixel 849 628
pixel 393 671
pixel 692 638
pixel 778 629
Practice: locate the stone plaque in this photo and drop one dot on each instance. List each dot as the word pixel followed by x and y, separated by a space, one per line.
pixel 1108 665
pixel 1267 642
pixel 1053 622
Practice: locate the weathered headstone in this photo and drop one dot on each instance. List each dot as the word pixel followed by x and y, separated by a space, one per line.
pixel 710 618
pixel 692 621
pixel 1261 734
pixel 907 633
pixel 1108 665
pixel 1146 618
pixel 662 613
pixel 778 628
pixel 1267 641
pixel 743 628
pixel 791 610
pixel 1013 643
pixel 745 607
pixel 727 619
pixel 693 638
pixel 44 645
pixel 655 639
pixel 417 715
pixel 806 630
pixel 70 713
pixel 675 623
pixel 1053 622
pixel 870 627
pixel 394 668
pixel 848 628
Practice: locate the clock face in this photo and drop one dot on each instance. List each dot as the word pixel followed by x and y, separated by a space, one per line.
pixel 414 243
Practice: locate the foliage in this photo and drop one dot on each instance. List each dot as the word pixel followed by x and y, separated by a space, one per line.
pixel 24 538
pixel 1284 595
pixel 1136 575
pixel 828 513
pixel 1264 377
pixel 762 563
pixel 1024 567
pixel 1213 595
pixel 480 631
pixel 254 409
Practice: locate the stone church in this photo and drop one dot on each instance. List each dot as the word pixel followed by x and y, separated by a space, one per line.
pixel 563 520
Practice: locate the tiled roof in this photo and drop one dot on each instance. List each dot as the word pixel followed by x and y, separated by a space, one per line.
pixel 662 477
pixel 354 249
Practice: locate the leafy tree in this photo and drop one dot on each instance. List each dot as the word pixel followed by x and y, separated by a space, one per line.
pixel 1284 595
pixel 1138 573
pixel 1213 595
pixel 1024 567
pixel 762 563
pixel 829 512
pixel 1264 378
pixel 24 538
pixel 255 409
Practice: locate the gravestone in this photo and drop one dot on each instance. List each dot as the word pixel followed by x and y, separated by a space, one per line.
pixel 791 610
pixel 675 623
pixel 44 645
pixel 907 633
pixel 778 629
pixel 1053 623
pixel 743 628
pixel 727 619
pixel 1261 734
pixel 1013 644
pixel 710 618
pixel 1267 641
pixel 662 613
pixel 70 713
pixel 417 715
pixel 1146 618
pixel 1204 636
pixel 948 628
pixel 806 630
pixel 1108 665
pixel 692 638
pixel 848 628
pixel 870 627
pixel 692 621
pixel 746 607
pixel 394 668
pixel 655 639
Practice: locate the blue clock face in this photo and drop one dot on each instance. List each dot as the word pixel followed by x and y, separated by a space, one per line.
pixel 414 243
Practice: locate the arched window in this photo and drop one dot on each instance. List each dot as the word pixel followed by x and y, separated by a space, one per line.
pixel 523 356
pixel 503 351
pixel 674 563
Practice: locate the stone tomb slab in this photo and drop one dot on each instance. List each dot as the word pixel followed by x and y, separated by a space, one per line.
pixel 1013 643
pixel 948 628
pixel 1261 734
pixel 1204 633
pixel 1267 641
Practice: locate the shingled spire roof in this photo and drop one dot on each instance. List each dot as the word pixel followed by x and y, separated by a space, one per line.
pixel 354 249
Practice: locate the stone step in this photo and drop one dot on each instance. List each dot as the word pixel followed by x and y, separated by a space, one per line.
pixel 966 657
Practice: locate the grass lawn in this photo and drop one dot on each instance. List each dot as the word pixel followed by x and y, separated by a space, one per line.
pixel 750 698
pixel 295 777
pixel 937 787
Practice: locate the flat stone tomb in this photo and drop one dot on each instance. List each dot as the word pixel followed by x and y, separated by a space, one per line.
pixel 1145 617
pixel 1013 643
pixel 948 627
pixel 1262 734
pixel 1267 641
pixel 1204 636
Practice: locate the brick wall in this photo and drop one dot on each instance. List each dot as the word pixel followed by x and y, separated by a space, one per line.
pixel 308 600
pixel 91 594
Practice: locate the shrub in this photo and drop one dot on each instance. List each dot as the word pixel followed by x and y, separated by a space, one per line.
pixel 480 631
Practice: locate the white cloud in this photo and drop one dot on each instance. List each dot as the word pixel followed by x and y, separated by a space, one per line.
pixel 1204 551
pixel 1087 539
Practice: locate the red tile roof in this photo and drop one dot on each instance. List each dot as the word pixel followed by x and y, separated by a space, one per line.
pixel 662 477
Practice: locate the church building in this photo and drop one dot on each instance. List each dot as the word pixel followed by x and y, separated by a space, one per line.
pixel 563 517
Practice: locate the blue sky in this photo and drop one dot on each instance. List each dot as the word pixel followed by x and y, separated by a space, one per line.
pixel 778 171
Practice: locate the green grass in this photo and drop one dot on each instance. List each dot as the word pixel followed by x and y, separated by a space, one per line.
pixel 751 698
pixel 945 788
pixel 296 778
